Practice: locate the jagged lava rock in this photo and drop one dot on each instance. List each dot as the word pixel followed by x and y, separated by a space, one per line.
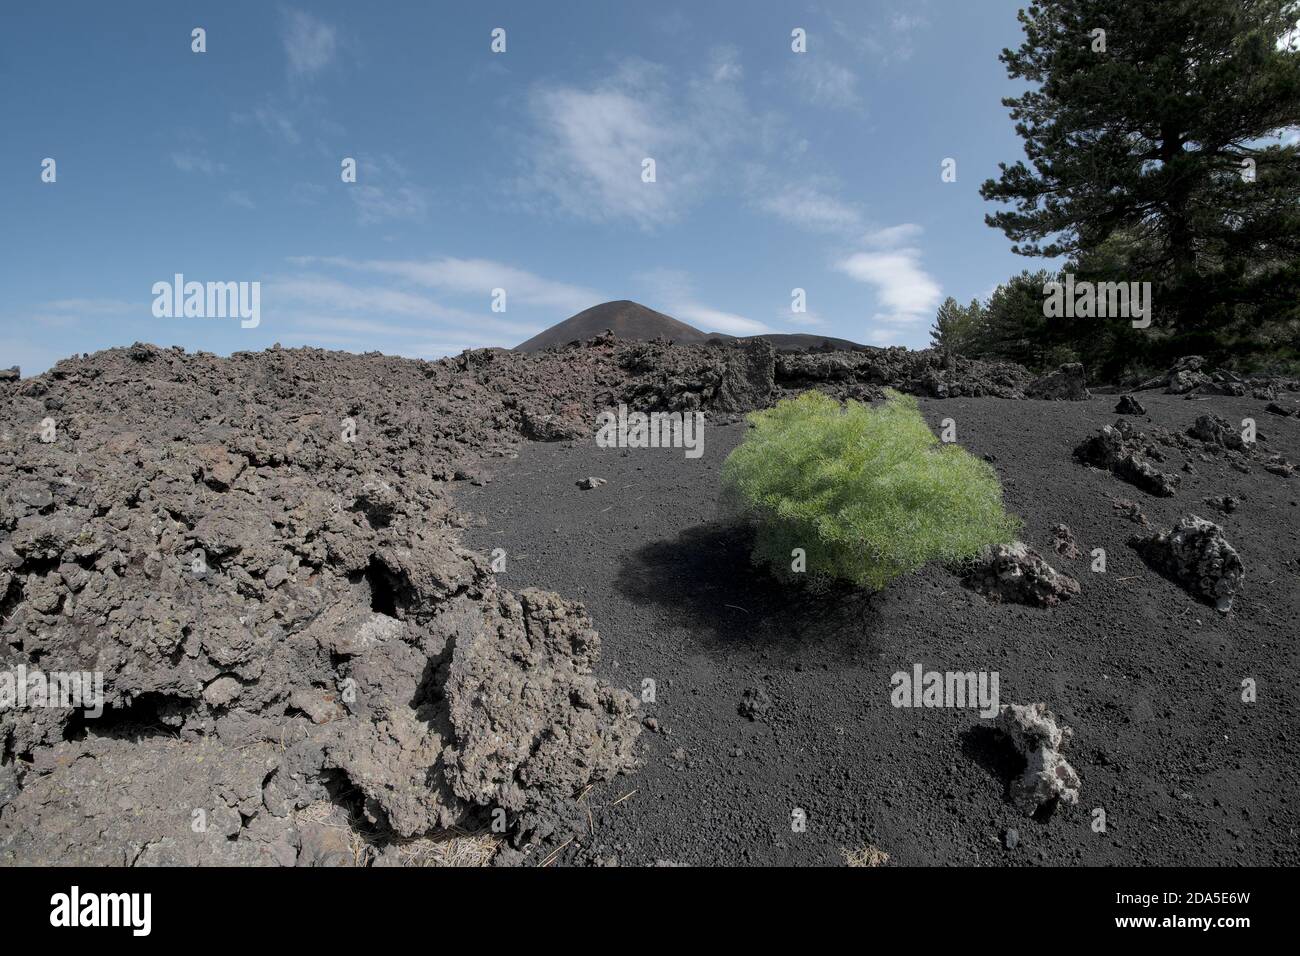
pixel 1018 574
pixel 1067 383
pixel 1112 451
pixel 1128 405
pixel 1048 777
pixel 1196 555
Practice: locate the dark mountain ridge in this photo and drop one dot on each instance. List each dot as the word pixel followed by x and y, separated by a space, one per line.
pixel 633 322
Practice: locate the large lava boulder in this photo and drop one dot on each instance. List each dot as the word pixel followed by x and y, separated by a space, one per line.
pixel 1067 383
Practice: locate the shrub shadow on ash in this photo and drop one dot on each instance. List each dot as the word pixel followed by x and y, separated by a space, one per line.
pixel 705 579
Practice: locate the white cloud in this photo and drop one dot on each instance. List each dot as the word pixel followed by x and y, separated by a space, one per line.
pixel 823 82
pixel 408 313
pixel 714 320
pixel 238 197
pixel 807 206
pixel 893 236
pixel 309 43
pixel 591 162
pixel 484 331
pixel 584 156
pixel 906 292
pixel 587 144
pixel 889 37
pixel 671 291
pixel 323 291
pixel 478 277
pixel 384 192
pixel 69 313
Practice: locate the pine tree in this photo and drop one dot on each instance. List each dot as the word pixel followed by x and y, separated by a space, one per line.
pixel 955 326
pixel 1014 329
pixel 1166 129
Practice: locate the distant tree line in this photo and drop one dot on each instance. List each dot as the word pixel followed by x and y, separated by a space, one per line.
pixel 1161 140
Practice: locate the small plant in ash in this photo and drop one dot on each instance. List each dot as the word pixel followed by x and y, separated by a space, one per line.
pixel 860 493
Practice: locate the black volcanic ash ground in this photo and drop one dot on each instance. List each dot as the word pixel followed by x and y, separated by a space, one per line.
pixel 1147 676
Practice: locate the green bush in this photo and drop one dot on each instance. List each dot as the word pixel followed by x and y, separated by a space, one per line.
pixel 867 491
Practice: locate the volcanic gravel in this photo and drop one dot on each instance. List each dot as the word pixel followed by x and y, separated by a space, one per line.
pixel 1149 678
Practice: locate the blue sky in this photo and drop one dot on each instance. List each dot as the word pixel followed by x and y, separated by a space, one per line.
pixel 520 170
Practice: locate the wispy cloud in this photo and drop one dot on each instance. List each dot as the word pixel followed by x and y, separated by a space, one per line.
pixel 312 308
pixel 823 82
pixel 906 293
pixel 808 205
pixel 417 308
pixel 715 320
pixel 892 236
pixel 674 293
pixel 384 192
pixel 309 43
pixel 294 115
pixel 476 278
pixel 368 329
pixel 69 313
pixel 587 144
pixel 319 291
pixel 275 121
pixel 886 36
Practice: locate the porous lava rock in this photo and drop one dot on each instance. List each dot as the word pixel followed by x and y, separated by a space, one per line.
pixel 1048 778
pixel 1018 574
pixel 1196 555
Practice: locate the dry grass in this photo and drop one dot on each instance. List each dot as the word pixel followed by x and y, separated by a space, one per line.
pixel 452 847
pixel 336 817
pixel 867 856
